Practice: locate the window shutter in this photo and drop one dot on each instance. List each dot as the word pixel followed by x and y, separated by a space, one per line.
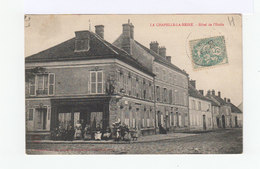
pixel 32 86
pixel 51 84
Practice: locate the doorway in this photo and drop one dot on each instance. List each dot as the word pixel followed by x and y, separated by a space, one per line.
pixel 41 119
pixel 218 122
pixel 236 123
pixel 204 122
pixel 223 121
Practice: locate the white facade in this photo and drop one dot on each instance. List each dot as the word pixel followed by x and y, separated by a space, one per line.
pixel 200 114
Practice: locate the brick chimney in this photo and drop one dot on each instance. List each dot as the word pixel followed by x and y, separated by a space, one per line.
pixel 219 94
pixel 82 41
pixel 162 51
pixel 201 92
pixel 228 100
pixel 99 29
pixel 154 46
pixel 132 31
pixel 225 99
pixel 193 83
pixel 126 43
pixel 169 59
pixel 208 92
pixel 213 92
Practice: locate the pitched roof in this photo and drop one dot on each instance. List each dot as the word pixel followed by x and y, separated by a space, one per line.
pixel 196 94
pixel 99 49
pixel 160 59
pixel 234 108
pixel 213 102
pixel 139 49
pixel 218 99
pixel 240 106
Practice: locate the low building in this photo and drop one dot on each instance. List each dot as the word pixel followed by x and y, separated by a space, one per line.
pixel 216 116
pixel 224 118
pixel 237 115
pixel 200 111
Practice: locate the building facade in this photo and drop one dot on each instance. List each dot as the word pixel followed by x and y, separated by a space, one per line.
pixel 171 83
pixel 200 109
pixel 90 80
pixel 223 119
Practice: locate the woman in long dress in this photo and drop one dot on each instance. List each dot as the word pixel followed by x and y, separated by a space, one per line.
pixel 78 132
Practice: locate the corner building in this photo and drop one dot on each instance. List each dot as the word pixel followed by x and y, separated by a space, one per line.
pixel 90 80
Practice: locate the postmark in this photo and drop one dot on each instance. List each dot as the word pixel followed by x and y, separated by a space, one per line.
pixel 208 52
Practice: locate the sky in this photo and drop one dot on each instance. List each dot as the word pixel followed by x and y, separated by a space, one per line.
pixel 45 31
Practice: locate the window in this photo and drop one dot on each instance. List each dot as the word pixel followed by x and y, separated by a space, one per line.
pixel 51 84
pixel 30 115
pixel 193 104
pixel 164 75
pixel 42 84
pixel 157 93
pixel 199 105
pixel 164 95
pixel 170 96
pixel 96 82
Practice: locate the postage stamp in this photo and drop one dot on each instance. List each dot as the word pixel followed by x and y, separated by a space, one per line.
pixel 208 52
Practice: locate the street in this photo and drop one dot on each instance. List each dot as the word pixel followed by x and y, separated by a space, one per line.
pixel 216 142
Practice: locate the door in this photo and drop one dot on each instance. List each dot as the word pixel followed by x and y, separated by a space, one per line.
pixel 236 123
pixel 96 119
pixel 218 124
pixel 223 121
pixel 204 122
pixel 41 119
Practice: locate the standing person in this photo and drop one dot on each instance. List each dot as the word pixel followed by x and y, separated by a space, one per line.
pixel 78 132
pixel 98 133
pixel 87 133
pixel 70 132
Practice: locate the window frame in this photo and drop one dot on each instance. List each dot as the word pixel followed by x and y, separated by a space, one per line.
pixel 96 82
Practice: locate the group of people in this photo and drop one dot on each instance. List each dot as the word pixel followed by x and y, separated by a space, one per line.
pixel 118 132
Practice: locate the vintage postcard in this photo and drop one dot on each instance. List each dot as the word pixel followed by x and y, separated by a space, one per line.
pixel 133 84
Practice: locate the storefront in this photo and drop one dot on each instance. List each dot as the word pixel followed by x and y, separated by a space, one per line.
pixel 93 112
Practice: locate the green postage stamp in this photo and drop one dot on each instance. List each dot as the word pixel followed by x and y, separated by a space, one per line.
pixel 208 52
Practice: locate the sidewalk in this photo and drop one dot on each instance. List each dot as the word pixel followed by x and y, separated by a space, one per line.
pixel 143 139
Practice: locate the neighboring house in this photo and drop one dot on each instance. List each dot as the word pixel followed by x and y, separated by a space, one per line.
pixel 225 117
pixel 237 115
pixel 171 83
pixel 90 80
pixel 200 114
pixel 216 116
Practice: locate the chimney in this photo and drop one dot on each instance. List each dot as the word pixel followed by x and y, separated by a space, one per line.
pixel 99 29
pixel 193 83
pixel 162 51
pixel 82 41
pixel 154 46
pixel 169 59
pixel 126 44
pixel 219 94
pixel 213 92
pixel 208 93
pixel 225 99
pixel 132 31
pixel 228 100
pixel 201 92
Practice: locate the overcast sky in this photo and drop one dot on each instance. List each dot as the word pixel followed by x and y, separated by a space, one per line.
pixel 44 31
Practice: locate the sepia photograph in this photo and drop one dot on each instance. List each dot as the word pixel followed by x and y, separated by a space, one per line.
pixel 133 84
